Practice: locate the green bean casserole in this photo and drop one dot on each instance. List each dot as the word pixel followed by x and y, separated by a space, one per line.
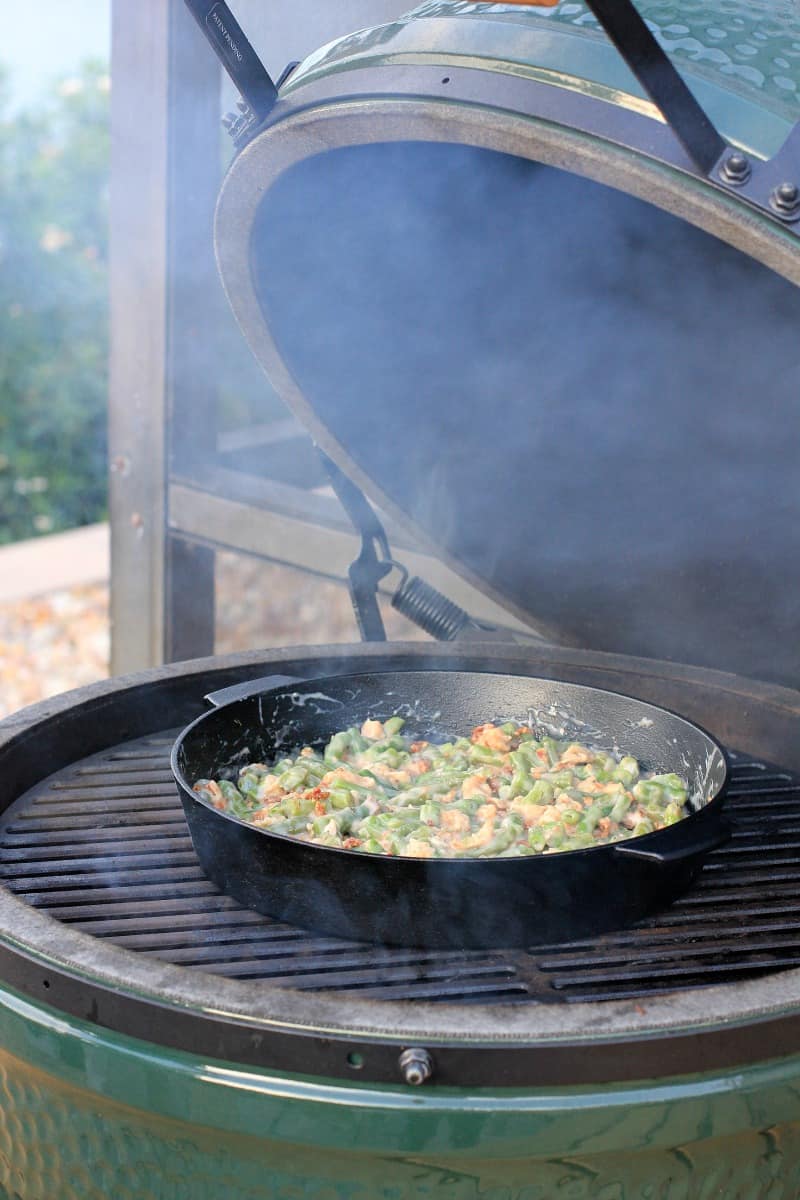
pixel 502 792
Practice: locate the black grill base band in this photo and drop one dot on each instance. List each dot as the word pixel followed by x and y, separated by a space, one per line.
pixel 108 918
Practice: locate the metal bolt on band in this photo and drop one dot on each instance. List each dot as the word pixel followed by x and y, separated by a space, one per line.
pixel 735 168
pixel 416 1065
pixel 786 200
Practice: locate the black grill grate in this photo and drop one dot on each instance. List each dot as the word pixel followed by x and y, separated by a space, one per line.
pixel 103 847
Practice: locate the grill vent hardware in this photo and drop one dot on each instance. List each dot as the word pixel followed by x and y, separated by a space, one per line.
pixel 103 847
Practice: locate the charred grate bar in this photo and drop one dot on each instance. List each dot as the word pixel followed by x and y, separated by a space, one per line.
pixel 103 847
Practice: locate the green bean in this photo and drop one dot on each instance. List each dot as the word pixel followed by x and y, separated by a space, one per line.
pixel 315 769
pixel 525 756
pixel 370 846
pixel 297 806
pixel 483 754
pixel 438 782
pixel 518 786
pixel 560 779
pixel 502 839
pixel 627 772
pixel 230 791
pixel 542 792
pixel 296 824
pixel 294 778
pixel 585 824
pixel 337 747
pixel 250 782
pixel 344 818
pixel 553 749
pixel 394 725
pixel 620 808
pixel 407 795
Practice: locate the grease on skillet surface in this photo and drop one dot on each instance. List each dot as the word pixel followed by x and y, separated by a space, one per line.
pixel 502 792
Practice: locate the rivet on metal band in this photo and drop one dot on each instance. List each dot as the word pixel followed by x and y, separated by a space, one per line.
pixel 416 1065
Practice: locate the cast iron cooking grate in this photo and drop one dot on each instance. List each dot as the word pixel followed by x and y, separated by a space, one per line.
pixel 103 847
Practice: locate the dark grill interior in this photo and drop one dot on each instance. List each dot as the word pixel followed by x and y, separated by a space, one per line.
pixel 103 847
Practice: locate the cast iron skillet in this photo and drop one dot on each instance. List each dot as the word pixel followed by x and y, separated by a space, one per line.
pixel 447 902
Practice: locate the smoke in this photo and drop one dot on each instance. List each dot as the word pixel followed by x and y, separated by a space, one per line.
pixel 587 401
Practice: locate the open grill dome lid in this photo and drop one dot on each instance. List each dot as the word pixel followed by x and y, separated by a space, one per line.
pixel 515 308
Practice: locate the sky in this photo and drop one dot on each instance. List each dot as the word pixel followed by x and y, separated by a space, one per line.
pixel 63 33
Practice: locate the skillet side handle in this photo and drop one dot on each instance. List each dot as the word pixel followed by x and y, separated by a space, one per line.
pixel 689 843
pixel 240 691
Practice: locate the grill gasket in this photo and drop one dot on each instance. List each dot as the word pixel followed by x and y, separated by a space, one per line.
pixel 137 884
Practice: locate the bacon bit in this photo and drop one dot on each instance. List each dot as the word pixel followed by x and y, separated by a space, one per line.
pixel 268 786
pixel 637 1008
pixel 491 737
pixel 550 813
pixel 575 755
pixel 418 767
pixel 217 799
pixel 604 827
pixel 316 793
pixel 474 785
pixel 350 843
pixel 454 820
pixel 543 755
pixel 389 774
pixel 348 776
pixel 487 812
pixel 530 813
pixel 481 838
pixel 415 747
pixel 373 730
pixel 319 808
pixel 590 785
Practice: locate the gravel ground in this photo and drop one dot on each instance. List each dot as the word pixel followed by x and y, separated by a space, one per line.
pixel 52 643
pixel 60 640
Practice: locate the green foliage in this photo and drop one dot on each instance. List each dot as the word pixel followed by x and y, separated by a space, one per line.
pixel 54 165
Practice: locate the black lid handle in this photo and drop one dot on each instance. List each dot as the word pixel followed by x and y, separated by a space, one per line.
pixel 236 54
pixel 252 687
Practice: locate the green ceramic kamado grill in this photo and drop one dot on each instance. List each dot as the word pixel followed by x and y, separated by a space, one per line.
pixel 405 234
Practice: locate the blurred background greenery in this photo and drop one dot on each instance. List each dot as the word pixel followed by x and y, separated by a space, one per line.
pixel 54 157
